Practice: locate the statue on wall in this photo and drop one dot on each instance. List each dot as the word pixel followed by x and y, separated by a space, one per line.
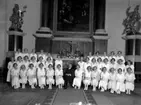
pixel 17 18
pixel 132 22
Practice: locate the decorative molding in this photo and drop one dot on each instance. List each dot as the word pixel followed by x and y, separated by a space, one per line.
pixel 101 32
pixel 16 33
pixel 72 39
pixel 101 37
pixel 43 35
pixel 131 37
pixel 43 32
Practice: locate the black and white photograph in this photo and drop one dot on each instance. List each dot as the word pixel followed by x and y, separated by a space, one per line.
pixel 70 52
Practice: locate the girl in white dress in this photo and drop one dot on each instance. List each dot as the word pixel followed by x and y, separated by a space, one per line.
pixel 15 76
pixel 93 62
pixel 58 61
pixel 10 66
pixel 26 61
pixel 86 64
pixel 42 54
pixel 48 62
pixel 99 64
pixel 50 75
pixel 17 54
pixel 113 64
pixel 81 63
pixel 90 57
pixel 120 56
pixel 19 61
pixel 49 55
pixel 33 61
pixel 120 81
pixel 95 77
pixel 25 53
pixel 23 75
pixel 104 56
pixel 33 54
pixel 40 60
pixel 130 77
pixel 112 55
pixel 112 80
pixel 96 56
pixel 41 72
pixel 59 76
pixel 78 78
pixel 104 77
pixel 120 64
pixel 106 64
pixel 32 76
pixel 87 78
pixel 129 64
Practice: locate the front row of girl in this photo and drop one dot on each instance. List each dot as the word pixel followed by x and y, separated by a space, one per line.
pixel 35 76
pixel 114 80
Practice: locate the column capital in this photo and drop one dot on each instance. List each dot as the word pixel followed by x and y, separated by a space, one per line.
pixel 16 33
pixel 44 32
pixel 126 37
pixel 101 37
pixel 101 31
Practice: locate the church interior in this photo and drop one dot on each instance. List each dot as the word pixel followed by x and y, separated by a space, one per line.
pixel 68 28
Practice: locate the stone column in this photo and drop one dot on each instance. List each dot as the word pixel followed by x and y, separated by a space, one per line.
pixel 44 13
pixel 100 16
pixel 15 41
pixel 44 34
pixel 44 17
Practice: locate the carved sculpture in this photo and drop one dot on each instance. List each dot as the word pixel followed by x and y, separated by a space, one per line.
pixel 17 18
pixel 132 22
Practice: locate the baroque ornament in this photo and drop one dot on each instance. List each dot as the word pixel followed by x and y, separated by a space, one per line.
pixel 132 22
pixel 17 18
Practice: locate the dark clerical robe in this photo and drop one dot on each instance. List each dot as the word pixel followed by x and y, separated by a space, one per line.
pixel 68 76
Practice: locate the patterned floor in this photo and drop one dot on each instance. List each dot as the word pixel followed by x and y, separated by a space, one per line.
pixel 27 96
pixel 9 96
pixel 68 96
pixel 89 97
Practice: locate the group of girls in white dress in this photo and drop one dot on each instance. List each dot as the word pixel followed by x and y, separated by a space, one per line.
pixel 102 72
pixel 105 73
pixel 34 69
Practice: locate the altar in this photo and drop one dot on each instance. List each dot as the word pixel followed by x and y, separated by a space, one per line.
pixel 69 32
pixel 72 46
pixel 68 60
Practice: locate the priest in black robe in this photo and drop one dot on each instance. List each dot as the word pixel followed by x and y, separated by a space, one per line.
pixel 69 76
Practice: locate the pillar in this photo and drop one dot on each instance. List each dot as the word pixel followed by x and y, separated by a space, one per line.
pixel 45 12
pixel 100 16
pixel 15 41
pixel 44 35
